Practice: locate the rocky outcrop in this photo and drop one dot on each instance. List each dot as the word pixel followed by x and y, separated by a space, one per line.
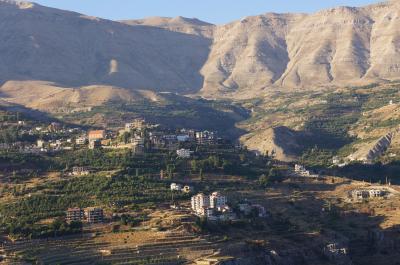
pixel 368 153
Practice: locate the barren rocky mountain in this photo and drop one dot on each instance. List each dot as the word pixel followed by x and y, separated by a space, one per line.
pixel 40 43
pixel 336 47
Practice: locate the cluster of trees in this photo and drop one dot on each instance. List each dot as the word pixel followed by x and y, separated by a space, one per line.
pixel 12 160
pixel 110 159
pixel 57 228
pixel 234 164
pixel 53 199
pixel 12 134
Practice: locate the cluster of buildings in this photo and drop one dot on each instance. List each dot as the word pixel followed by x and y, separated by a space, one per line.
pixel 50 137
pixel 303 172
pixel 213 207
pixel 362 194
pixel 143 136
pixel 337 252
pixel 182 188
pixel 91 215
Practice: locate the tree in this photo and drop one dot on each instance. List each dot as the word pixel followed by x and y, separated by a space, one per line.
pixel 194 165
pixel 264 180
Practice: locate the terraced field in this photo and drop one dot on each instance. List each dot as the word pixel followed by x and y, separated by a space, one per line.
pixel 171 249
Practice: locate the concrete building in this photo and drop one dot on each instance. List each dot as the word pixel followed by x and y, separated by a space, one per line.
pixel 81 140
pixel 138 145
pixel 183 153
pixel 206 137
pixel 187 189
pixel 80 171
pixel 217 200
pixel 212 207
pixel 303 172
pixel 136 124
pixel 366 194
pixel 376 193
pixel 75 214
pixel 206 212
pixel 94 144
pixel 176 187
pixel 200 201
pixel 96 135
pixel 335 249
pixel 94 215
pixel 40 143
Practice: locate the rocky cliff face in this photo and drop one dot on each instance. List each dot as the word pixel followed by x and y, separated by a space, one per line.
pixel 336 47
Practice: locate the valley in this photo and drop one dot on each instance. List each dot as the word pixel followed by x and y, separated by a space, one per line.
pixel 270 140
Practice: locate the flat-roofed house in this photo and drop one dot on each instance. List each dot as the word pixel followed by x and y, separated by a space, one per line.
pixel 96 135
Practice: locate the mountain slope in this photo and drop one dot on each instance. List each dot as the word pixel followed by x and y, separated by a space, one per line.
pixel 247 55
pixel 39 43
pixel 336 47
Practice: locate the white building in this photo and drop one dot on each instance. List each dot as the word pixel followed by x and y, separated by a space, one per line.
pixel 183 153
pixel 365 194
pixel 212 207
pixel 217 200
pixel 302 171
pixel 81 140
pixel 40 143
pixel 200 201
pixel 206 137
pixel 80 171
pixel 176 187
pixel 376 193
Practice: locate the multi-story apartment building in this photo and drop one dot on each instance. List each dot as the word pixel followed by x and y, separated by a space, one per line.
pixel 217 200
pixel 94 215
pixel 199 202
pixel 206 137
pixel 75 215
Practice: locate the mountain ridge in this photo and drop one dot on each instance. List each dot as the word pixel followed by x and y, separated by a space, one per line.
pixel 341 46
